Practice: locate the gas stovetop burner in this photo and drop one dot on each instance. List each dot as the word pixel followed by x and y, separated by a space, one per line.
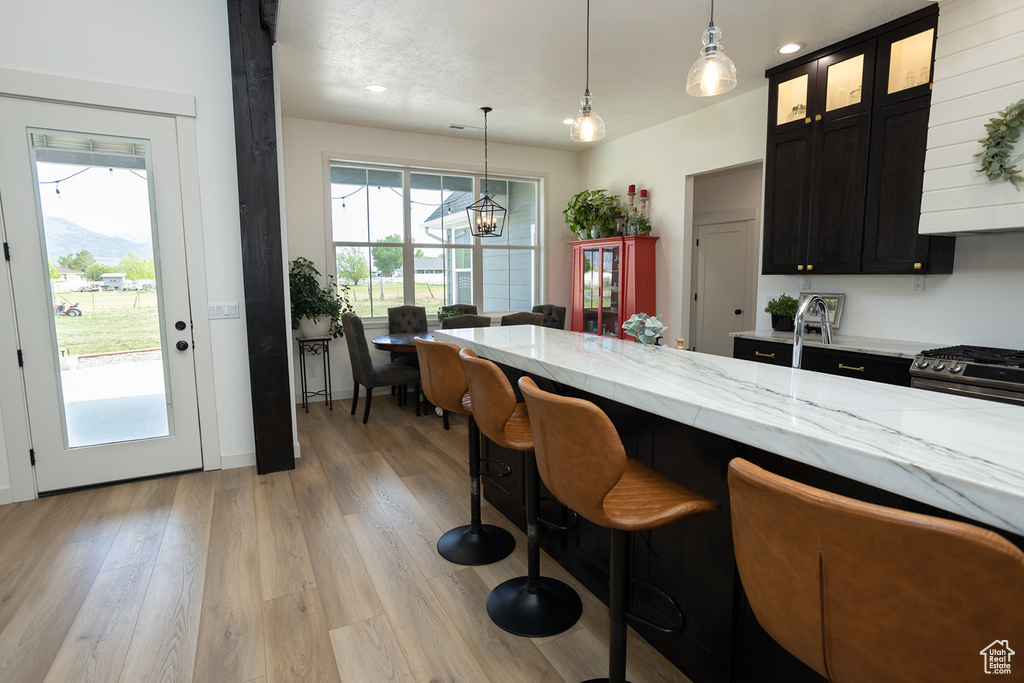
pixel 979 354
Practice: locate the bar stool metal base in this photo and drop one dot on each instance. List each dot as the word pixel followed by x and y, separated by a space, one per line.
pixel 463 545
pixel 553 608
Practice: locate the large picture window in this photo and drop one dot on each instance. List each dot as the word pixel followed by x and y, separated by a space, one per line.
pixel 401 235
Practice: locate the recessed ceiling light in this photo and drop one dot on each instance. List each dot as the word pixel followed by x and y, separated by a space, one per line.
pixel 376 88
pixel 790 48
pixel 567 121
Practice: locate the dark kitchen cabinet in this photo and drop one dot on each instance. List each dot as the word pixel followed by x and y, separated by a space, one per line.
pixel 868 366
pixel 844 162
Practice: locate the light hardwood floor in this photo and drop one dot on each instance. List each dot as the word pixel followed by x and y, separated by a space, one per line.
pixel 326 573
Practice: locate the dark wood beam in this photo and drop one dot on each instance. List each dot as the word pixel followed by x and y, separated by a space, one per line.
pixel 252 79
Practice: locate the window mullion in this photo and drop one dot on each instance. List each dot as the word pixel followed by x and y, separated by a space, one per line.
pixel 408 253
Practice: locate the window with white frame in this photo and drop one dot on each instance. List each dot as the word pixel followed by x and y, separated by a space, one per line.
pixel 401 236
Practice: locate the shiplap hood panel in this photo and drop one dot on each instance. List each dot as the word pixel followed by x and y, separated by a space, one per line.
pixel 979 70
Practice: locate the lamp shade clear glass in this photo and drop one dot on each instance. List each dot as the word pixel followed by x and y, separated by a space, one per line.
pixel 587 126
pixel 713 73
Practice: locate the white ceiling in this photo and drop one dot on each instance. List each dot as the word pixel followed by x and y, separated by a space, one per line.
pixel 444 59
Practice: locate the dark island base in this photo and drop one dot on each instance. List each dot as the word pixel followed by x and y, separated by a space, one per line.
pixel 691 560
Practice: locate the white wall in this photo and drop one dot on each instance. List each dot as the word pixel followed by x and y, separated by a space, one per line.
pixel 661 159
pixel 179 47
pixel 304 144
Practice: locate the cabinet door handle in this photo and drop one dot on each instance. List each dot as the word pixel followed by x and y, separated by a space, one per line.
pixel 918 266
pixel 850 367
pixel 767 355
pixel 799 267
pixel 810 267
pixel 807 120
pixel 817 117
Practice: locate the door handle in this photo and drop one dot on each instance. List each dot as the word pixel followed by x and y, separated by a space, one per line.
pixel 180 325
pixel 850 367
pixel 738 311
pixel 182 345
pixel 764 355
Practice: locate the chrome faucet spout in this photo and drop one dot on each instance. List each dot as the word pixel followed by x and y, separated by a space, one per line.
pixel 798 333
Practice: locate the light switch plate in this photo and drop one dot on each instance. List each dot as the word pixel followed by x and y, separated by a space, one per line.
pixel 919 283
pixel 223 310
pixel 805 283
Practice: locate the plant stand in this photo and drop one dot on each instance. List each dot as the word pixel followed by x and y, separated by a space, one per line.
pixel 316 346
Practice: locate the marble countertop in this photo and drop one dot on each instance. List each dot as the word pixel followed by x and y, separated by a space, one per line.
pixel 959 454
pixel 880 347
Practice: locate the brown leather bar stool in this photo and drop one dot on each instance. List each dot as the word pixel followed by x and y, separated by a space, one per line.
pixel 533 605
pixel 445 385
pixel 861 592
pixel 582 462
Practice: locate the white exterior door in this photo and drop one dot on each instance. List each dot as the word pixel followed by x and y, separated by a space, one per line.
pixel 106 339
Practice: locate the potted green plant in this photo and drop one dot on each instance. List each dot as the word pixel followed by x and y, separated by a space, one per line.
pixel 316 308
pixel 591 214
pixel 783 310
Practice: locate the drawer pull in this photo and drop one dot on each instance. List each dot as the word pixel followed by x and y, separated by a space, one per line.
pixel 850 367
pixel 764 355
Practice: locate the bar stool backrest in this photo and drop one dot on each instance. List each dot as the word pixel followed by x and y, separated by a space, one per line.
pixel 861 592
pixel 442 375
pixel 579 454
pixel 494 400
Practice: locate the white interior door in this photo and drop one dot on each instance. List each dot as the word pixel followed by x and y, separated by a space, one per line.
pixel 107 349
pixel 722 270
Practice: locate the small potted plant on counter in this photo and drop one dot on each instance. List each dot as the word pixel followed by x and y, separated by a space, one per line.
pixel 592 214
pixel 646 328
pixel 316 308
pixel 783 310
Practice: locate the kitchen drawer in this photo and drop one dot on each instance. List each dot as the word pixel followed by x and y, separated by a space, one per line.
pixel 885 369
pixel 773 353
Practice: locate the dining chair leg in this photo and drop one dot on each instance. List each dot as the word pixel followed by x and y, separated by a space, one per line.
pixel 445 416
pixel 355 397
pixel 416 397
pixel 366 411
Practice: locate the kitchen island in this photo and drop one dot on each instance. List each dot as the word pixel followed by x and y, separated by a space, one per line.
pixel 687 414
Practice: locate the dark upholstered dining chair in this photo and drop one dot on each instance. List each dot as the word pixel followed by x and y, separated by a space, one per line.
pixel 460 309
pixel 554 316
pixel 405 320
pixel 369 375
pixel 523 318
pixel 463 321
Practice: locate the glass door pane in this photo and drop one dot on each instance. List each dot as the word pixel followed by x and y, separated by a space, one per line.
pixel 845 83
pixel 99 242
pixel 591 289
pixel 610 292
pixel 792 100
pixel 910 61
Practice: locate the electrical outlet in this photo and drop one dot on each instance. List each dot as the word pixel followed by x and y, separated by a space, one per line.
pixel 919 283
pixel 805 283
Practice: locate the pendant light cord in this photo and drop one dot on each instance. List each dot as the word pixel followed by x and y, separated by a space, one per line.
pixel 486 181
pixel 588 45
pixel 710 23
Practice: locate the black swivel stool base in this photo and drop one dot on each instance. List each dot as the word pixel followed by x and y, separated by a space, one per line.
pixel 534 606
pixel 463 545
pixel 552 607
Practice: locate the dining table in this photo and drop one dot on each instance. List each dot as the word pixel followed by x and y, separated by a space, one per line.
pixel 400 342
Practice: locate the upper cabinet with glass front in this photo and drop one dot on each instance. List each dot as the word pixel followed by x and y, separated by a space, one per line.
pixel 830 87
pixel 905 62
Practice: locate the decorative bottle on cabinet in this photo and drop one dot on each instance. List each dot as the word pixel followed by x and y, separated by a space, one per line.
pixel 612 279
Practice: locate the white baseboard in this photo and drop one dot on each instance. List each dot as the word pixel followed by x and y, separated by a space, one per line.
pixel 6 495
pixel 230 462
pixel 297 450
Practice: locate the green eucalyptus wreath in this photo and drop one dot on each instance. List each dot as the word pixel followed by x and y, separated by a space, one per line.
pixel 1003 131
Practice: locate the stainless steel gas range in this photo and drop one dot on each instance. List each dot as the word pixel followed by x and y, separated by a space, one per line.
pixel 975 371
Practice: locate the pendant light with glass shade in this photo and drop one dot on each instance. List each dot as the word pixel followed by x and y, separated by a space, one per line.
pixel 486 216
pixel 587 126
pixel 713 73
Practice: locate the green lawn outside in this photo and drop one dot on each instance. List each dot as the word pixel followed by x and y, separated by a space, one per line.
pixel 431 297
pixel 110 321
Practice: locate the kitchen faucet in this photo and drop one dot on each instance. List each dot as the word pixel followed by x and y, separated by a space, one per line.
pixel 798 333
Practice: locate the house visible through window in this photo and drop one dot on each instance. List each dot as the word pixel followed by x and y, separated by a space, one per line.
pixel 402 236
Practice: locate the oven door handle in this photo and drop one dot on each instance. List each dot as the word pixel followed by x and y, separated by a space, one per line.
pixel 969 390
